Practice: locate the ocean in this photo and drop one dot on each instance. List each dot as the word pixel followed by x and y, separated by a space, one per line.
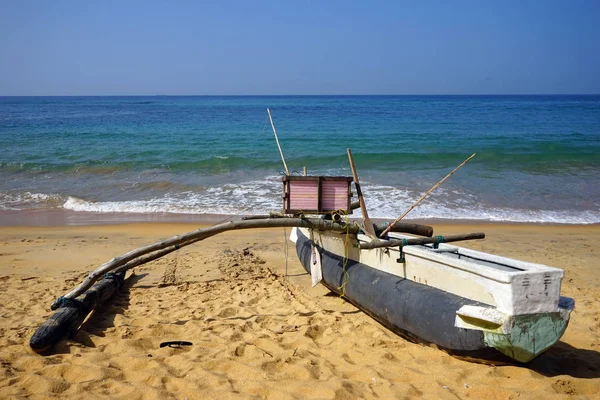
pixel 538 157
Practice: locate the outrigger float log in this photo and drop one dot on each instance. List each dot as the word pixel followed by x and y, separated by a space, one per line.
pixel 466 302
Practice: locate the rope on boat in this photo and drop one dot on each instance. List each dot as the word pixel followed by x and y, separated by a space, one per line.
pixel 438 239
pixel 342 214
pixel 346 275
pixel 285 243
pixel 404 242
pixel 66 302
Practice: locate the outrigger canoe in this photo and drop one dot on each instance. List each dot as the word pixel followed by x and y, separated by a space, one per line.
pixel 470 303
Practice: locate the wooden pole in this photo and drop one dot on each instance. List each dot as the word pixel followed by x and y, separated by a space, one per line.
pixel 176 242
pixel 287 171
pixel 426 240
pixel 417 229
pixel 404 227
pixel 366 220
pixel 416 203
pixel 265 216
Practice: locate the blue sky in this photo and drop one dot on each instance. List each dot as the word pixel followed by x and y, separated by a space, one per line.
pixel 299 47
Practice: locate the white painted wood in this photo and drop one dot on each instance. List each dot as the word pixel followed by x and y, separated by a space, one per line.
pixel 513 288
pixel 483 319
pixel 316 272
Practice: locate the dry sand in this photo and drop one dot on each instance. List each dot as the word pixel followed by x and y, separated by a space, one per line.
pixel 257 334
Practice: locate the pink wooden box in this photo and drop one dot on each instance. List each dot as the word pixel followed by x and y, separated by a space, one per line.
pixel 316 194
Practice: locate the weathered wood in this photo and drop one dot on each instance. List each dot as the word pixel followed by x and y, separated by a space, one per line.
pixel 404 227
pixel 147 258
pixel 67 319
pixel 315 178
pixel 426 240
pixel 201 234
pixel 264 216
pixel 366 220
pixel 319 192
pixel 416 203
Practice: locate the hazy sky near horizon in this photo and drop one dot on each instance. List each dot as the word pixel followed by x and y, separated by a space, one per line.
pixel 299 47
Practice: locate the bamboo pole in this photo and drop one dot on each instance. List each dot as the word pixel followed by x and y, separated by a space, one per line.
pixel 176 242
pixel 287 171
pixel 365 215
pixel 426 240
pixel 416 203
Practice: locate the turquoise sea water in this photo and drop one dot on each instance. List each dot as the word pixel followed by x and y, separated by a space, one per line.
pixel 538 157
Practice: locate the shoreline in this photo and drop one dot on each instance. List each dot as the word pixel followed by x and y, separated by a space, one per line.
pixel 66 218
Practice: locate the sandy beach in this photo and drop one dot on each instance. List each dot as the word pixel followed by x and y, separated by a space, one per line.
pixel 257 333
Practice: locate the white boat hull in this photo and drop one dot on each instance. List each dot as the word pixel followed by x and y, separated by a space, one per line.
pixel 483 301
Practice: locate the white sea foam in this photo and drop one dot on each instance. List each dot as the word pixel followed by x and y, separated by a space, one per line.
pixel 246 198
pixel 28 200
pixel 388 202
pixel 263 196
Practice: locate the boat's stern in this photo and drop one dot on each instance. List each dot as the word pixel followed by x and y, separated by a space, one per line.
pixel 520 337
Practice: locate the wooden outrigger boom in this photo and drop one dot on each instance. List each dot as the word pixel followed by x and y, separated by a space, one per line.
pixel 74 307
pixel 102 283
pixel 176 242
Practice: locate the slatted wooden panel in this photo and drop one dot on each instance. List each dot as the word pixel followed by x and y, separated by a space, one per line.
pixel 316 194
pixel 334 195
pixel 304 195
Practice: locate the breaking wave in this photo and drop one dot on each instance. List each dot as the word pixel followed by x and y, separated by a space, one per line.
pixel 231 199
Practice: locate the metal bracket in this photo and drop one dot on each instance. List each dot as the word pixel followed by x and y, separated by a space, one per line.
pixel 402 258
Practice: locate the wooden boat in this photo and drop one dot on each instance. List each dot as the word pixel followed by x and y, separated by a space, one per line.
pixel 470 303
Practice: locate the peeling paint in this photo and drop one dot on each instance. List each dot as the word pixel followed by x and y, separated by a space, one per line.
pixel 531 335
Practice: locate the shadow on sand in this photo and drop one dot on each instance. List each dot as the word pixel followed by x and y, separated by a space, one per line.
pixel 99 320
pixel 564 359
pixel 102 319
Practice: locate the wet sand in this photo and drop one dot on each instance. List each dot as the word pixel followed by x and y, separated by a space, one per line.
pixel 257 333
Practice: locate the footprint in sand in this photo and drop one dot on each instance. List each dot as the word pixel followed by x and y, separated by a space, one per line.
pixel 564 386
pixel 314 332
pixel 227 313
pixel 240 350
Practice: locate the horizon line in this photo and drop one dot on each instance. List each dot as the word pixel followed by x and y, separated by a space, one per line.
pixel 299 95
